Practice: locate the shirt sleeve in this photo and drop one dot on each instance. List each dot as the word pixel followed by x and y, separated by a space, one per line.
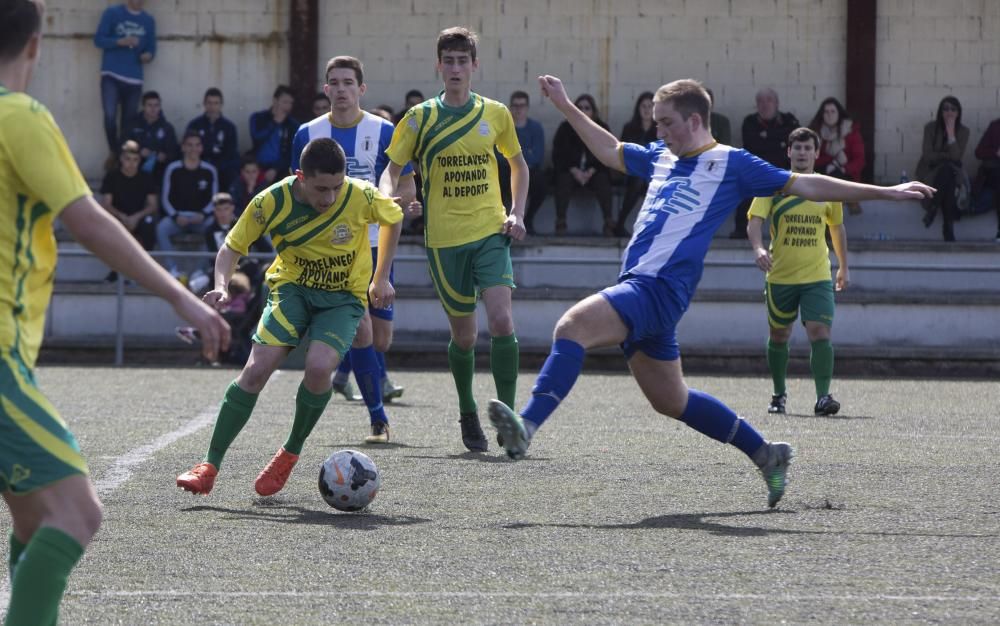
pixel 760 207
pixel 507 137
pixel 298 144
pixel 250 226
pixel 639 160
pixel 404 138
pixel 381 208
pixel 385 140
pixel 47 167
pixel 757 177
pixel 834 213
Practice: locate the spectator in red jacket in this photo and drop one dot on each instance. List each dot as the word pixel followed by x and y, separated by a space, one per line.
pixel 842 151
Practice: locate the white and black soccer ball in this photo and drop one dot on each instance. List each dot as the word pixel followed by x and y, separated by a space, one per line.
pixel 348 480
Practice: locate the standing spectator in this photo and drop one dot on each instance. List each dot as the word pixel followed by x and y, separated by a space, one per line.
pixel 130 195
pixel 320 105
pixel 988 152
pixel 531 136
pixel 272 131
pixel 765 135
pixel 641 130
pixel 127 35
pixel 412 99
pixel 247 184
pixel 188 187
pixel 940 165
pixel 719 124
pixel 155 135
pixel 842 151
pixel 218 137
pixel 575 167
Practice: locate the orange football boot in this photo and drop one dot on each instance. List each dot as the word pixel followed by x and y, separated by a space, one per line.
pixel 274 476
pixel 199 479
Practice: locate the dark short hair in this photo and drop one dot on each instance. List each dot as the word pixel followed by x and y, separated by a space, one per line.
pixel 151 95
pixel 320 96
pixel 457 39
pixel 19 20
pixel 520 95
pixel 413 93
pixel 248 158
pixel 803 134
pixel 213 91
pixel 346 62
pixel 189 133
pixel 322 156
pixel 281 90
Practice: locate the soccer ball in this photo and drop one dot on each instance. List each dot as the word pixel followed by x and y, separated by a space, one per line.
pixel 348 480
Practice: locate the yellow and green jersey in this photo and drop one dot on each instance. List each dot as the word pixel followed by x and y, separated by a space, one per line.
pixel 38 179
pixel 798 237
pixel 328 250
pixel 454 149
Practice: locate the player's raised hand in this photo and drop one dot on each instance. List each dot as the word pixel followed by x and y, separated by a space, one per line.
pixel 214 330
pixel 513 227
pixel 913 190
pixel 553 88
pixel 381 294
pixel 217 298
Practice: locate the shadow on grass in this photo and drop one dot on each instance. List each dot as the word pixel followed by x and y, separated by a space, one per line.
pixel 482 457
pixel 269 511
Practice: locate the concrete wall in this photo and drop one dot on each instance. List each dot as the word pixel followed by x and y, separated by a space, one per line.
pixel 613 49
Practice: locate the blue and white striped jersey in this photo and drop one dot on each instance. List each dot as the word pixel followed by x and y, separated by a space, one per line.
pixel 364 143
pixel 688 199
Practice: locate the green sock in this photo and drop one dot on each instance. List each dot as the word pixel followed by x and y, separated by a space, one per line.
pixel 463 365
pixel 16 548
pixel 308 408
pixel 42 572
pixel 777 362
pixel 237 405
pixel 504 353
pixel 821 364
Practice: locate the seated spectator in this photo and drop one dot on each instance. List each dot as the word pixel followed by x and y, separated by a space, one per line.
pixel 719 124
pixel 641 130
pixel 988 153
pixel 155 136
pixel 218 137
pixel 576 167
pixel 842 152
pixel 413 98
pixel 320 105
pixel 531 136
pixel 247 185
pixel 272 131
pixel 765 135
pixel 129 194
pixel 384 111
pixel 940 165
pixel 188 187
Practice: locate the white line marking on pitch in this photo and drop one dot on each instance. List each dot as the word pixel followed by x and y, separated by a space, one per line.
pixel 569 595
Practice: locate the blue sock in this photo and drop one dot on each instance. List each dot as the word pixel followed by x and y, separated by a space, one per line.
pixel 343 370
pixel 366 373
pixel 711 417
pixel 381 365
pixel 554 382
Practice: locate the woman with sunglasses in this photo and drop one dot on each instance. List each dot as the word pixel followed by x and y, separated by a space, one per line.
pixel 940 163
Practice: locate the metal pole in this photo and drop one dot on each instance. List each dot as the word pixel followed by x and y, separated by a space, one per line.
pixel 120 323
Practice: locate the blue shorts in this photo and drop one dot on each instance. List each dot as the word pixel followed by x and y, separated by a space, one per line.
pixel 382 314
pixel 651 309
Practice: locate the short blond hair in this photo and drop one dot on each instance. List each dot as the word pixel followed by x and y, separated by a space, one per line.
pixel 687 96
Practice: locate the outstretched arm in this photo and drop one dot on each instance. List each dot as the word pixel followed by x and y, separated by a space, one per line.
pixel 819 188
pixel 601 143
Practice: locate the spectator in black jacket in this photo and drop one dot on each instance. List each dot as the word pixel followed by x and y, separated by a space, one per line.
pixel 188 187
pixel 218 137
pixel 272 131
pixel 576 167
pixel 641 130
pixel 155 135
pixel 129 194
pixel 765 134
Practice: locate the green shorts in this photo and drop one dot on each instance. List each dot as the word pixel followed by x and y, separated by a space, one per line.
pixel 36 447
pixel 784 302
pixel 330 316
pixel 460 273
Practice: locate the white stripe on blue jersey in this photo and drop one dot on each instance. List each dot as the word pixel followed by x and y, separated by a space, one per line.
pixel 364 145
pixel 687 200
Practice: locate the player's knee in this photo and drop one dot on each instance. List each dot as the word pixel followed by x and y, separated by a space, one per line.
pixel 78 517
pixel 502 325
pixel 316 378
pixel 382 343
pixel 464 340
pixel 567 327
